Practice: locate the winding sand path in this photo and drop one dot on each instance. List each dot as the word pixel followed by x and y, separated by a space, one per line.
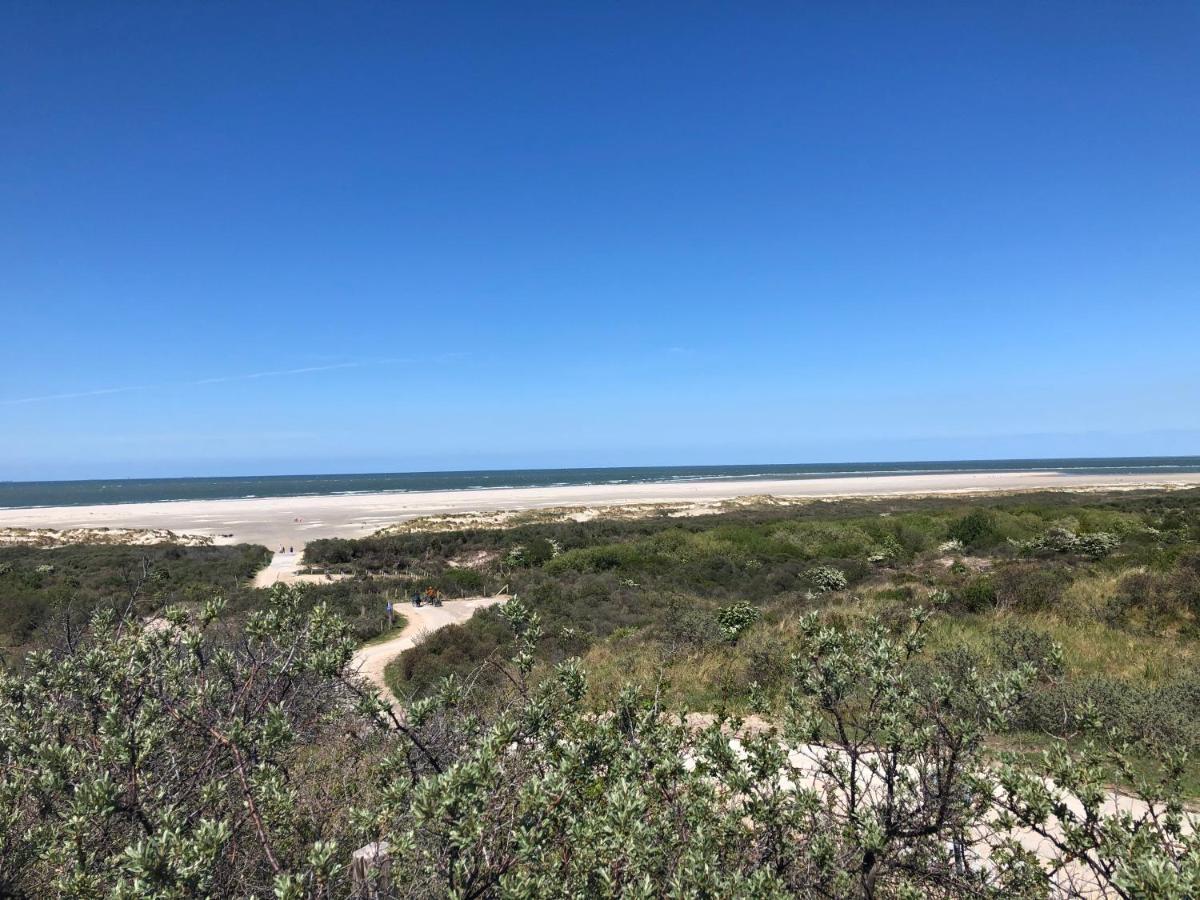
pixel 372 659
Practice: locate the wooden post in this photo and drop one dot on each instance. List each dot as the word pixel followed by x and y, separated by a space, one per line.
pixel 371 871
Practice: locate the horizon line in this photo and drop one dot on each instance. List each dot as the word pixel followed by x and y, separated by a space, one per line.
pixel 577 468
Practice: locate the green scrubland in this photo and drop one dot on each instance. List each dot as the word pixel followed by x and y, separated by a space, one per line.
pixel 1107 585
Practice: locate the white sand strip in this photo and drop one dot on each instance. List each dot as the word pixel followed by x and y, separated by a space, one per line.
pixel 290 522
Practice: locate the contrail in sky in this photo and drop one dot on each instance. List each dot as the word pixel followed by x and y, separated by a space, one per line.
pixel 201 381
pixel 348 365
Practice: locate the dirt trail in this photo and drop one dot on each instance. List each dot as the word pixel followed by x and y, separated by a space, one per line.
pixel 284 568
pixel 371 660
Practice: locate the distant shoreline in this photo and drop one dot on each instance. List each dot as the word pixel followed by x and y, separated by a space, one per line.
pixel 294 521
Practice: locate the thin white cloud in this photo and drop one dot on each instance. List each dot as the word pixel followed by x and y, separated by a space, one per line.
pixel 218 379
pixel 96 393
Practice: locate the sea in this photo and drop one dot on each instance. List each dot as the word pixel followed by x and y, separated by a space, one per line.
pixel 25 494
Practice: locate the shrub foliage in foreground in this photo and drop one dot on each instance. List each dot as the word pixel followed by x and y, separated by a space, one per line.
pixel 189 761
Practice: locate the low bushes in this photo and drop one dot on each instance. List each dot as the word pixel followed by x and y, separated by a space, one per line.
pixel 1152 716
pixel 1030 588
pixel 45 592
pixel 1159 597
pixel 660 582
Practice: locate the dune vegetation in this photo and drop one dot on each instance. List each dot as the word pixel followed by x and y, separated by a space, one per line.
pixel 1106 588
pixel 903 698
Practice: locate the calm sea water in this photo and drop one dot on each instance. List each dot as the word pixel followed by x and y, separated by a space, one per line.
pixel 141 490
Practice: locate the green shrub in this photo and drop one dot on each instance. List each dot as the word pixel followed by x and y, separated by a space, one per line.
pixel 1147 593
pixel 735 619
pixel 539 551
pixel 1098 544
pixel 826 578
pixel 976 530
pixel 128 762
pixel 977 595
pixel 1185 584
pixel 1154 717
pixel 1017 645
pixel 888 550
pixel 463 581
pixel 533 553
pixel 1029 587
pixel 688 627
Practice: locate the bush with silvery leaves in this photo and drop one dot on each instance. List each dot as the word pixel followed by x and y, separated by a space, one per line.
pixel 736 619
pixel 191 760
pixel 1095 545
pixel 826 579
pixel 889 549
pixel 1098 544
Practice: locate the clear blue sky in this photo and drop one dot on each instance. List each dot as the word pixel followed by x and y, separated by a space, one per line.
pixel 469 235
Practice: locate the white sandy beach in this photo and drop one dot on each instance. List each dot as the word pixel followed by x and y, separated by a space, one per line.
pixel 291 522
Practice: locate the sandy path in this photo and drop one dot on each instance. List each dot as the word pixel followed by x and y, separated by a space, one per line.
pixel 371 660
pixel 294 521
pixel 284 569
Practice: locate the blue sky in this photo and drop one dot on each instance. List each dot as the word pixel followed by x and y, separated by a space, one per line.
pixel 243 238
